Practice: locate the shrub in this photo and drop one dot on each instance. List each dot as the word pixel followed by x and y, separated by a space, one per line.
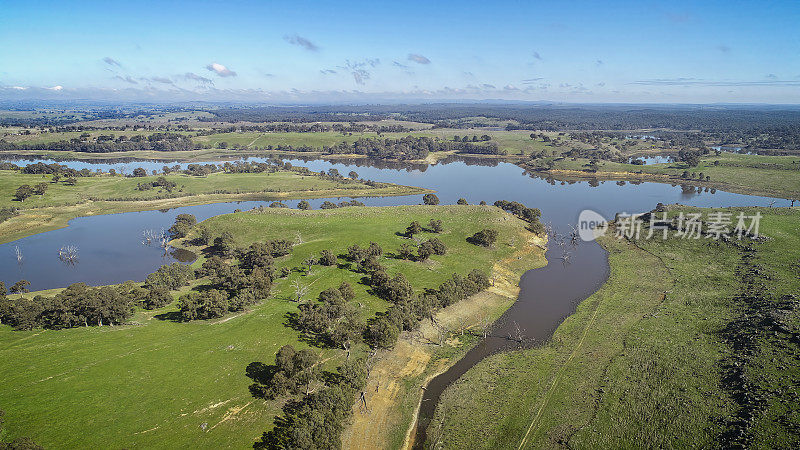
pixel 413 228
pixel 485 238
pixel 327 258
pixel 430 199
pixel 437 246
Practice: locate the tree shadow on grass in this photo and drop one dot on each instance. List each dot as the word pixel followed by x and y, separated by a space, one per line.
pixel 172 316
pixel 319 340
pixel 261 374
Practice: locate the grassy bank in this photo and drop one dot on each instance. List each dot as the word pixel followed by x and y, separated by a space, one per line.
pixel 155 383
pixel 777 176
pixel 105 194
pixel 673 351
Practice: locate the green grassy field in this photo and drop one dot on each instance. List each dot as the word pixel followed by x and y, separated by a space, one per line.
pixel 649 358
pixel 749 174
pixel 161 384
pixel 105 194
pixel 107 187
pixel 515 142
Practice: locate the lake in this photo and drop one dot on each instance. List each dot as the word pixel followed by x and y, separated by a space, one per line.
pixel 111 250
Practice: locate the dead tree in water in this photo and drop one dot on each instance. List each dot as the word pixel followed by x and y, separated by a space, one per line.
pixel 68 254
pixel 18 252
pixel 574 236
pixel 517 334
pixel 149 236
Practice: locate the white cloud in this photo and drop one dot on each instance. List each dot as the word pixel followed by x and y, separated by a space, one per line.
pixel 220 70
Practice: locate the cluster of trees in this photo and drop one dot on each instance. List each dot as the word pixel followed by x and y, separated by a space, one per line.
pixel 317 420
pixel 331 321
pixel 77 305
pixel 63 171
pixel 692 157
pixel 161 142
pixel 330 205
pixel 365 259
pixel 25 191
pixel 182 226
pixel 410 147
pixel 483 138
pixel 425 250
pixel 159 182
pixel 82 305
pixel 409 309
pixel 530 215
pixel 434 226
pixel 170 277
pixel 233 287
pixel 692 175
pixel 293 373
pixel 288 127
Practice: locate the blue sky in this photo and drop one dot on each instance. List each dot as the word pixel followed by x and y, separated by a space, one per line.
pixel 677 51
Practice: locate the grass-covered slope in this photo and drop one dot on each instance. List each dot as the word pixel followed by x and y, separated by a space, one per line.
pixel 689 343
pixel 161 384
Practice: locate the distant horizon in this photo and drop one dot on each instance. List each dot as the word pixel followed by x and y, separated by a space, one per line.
pixel 388 102
pixel 677 52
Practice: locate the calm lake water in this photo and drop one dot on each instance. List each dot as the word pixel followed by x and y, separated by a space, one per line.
pixel 658 159
pixel 111 249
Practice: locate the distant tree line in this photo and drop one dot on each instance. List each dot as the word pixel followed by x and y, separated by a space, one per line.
pixel 160 142
pixel 294 127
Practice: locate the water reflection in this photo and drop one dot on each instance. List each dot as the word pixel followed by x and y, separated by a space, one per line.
pixel 111 250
